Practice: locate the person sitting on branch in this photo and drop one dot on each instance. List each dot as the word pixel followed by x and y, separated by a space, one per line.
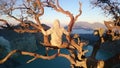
pixel 56 33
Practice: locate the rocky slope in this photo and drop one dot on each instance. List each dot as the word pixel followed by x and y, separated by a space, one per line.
pixel 24 41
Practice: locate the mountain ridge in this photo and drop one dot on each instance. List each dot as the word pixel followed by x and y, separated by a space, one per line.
pixel 86 25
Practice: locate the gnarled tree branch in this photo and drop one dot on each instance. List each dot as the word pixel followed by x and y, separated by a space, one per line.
pixel 58 8
pixel 40 13
pixel 72 60
pixel 80 10
pixel 27 53
pixel 5 23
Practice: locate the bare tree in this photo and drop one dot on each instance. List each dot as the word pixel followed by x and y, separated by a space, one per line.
pixel 35 9
pixel 110 7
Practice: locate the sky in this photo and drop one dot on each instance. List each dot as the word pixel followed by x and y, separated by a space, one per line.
pixel 89 14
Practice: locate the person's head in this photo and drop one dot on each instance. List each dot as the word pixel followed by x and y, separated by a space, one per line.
pixel 56 23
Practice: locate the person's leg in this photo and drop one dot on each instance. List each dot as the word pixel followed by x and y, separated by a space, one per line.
pixel 47 49
pixel 58 51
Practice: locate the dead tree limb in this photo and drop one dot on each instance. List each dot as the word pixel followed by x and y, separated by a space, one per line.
pixel 71 59
pixel 58 8
pixel 80 10
pixel 72 45
pixel 5 23
pixel 27 53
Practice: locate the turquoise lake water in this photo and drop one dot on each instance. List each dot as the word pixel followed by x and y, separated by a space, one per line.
pixel 58 62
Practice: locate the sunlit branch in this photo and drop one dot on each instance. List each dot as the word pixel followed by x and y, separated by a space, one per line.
pixel 15 18
pixel 26 30
pixel 72 60
pixel 27 53
pixel 58 8
pixel 64 45
pixel 5 22
pixel 39 14
pixel 80 10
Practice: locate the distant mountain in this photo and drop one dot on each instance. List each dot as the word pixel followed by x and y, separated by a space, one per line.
pixel 98 25
pixel 86 25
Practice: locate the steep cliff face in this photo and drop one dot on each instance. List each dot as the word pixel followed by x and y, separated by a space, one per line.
pixel 24 41
pixel 4 46
pixel 111 46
